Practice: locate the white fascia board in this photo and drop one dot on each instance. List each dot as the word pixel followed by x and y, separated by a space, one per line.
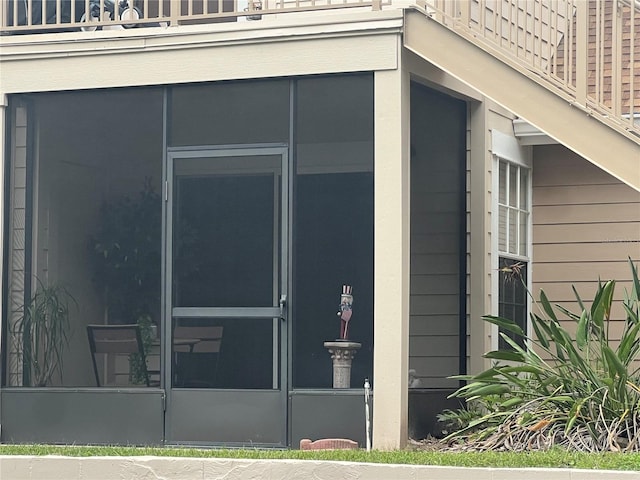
pixel 509 148
pixel 527 134
pixel 361 41
pixel 158 38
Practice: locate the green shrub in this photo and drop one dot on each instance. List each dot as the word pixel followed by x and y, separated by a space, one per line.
pixel 41 334
pixel 579 391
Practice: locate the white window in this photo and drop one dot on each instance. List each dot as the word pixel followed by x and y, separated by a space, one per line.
pixel 513 245
pixel 513 209
pixel 512 233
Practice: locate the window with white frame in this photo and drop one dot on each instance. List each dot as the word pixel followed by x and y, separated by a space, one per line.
pixel 513 245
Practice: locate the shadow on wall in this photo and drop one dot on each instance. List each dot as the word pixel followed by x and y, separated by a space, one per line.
pixel 424 406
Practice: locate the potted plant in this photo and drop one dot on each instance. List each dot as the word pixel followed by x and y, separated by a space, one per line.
pixel 42 333
pixel 126 257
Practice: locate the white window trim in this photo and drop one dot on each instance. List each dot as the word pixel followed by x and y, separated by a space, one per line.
pixel 507 148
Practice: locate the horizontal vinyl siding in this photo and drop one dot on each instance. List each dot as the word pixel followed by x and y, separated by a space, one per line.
pixel 16 242
pixel 467 243
pixel 594 232
pixel 437 325
pixel 607 194
pixel 585 226
pixel 434 284
pixel 587 212
pixel 605 251
pixel 562 293
pixel 436 218
pixel 558 269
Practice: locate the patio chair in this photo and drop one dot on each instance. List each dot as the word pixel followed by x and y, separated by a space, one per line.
pixel 117 340
pixel 193 346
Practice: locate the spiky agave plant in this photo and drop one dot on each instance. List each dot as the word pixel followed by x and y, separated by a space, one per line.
pixel 581 390
pixel 41 334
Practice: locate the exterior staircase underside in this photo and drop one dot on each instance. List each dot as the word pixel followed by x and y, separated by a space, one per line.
pixel 525 96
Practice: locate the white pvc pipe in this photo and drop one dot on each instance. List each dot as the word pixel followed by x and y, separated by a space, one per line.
pixel 367 391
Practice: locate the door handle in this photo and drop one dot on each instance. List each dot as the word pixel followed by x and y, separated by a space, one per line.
pixel 283 304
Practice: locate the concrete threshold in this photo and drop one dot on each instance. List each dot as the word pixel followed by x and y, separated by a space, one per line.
pixel 179 468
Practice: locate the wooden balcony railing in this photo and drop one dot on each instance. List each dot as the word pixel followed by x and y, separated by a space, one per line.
pixel 36 16
pixel 587 50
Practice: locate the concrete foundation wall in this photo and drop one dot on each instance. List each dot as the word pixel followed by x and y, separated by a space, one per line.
pixel 142 468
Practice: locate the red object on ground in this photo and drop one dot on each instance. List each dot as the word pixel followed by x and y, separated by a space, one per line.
pixel 328 444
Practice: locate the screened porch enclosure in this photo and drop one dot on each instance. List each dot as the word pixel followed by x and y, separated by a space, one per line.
pixel 217 224
pixel 85 216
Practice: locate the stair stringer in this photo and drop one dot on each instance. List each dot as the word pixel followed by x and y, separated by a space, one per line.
pixel 609 149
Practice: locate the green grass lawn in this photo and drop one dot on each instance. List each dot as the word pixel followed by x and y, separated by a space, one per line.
pixel 554 459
